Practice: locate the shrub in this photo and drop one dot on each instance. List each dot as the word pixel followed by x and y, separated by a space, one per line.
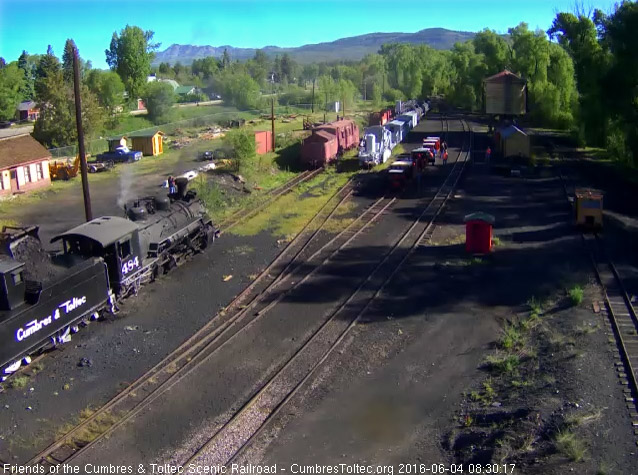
pixel 576 295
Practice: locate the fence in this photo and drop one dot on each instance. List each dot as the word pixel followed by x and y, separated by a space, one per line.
pixel 96 146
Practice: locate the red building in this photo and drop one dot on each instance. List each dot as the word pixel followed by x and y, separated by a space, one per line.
pixel 24 165
pixel 263 141
pixel 28 110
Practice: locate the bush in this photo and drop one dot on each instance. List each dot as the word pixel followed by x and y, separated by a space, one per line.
pixel 576 295
pixel 242 143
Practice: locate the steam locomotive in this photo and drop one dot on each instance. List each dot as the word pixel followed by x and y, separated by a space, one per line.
pixel 44 297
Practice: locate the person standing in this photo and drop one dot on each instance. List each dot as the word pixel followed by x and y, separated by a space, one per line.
pixel 488 154
pixel 445 156
pixel 171 185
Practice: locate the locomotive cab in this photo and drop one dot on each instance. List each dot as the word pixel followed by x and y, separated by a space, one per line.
pixel 114 239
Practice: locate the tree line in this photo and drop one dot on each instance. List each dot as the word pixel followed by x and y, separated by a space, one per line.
pixel 581 76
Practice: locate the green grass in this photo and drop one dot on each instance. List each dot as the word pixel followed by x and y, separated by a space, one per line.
pixel 286 216
pixel 503 364
pixel 576 294
pixel 535 305
pixel 18 381
pixel 569 445
pixel 512 338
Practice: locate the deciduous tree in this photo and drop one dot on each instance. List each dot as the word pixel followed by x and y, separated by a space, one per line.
pixel 159 98
pixel 130 55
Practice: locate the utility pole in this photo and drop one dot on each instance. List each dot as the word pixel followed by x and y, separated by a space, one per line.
pixel 272 121
pixel 325 109
pixel 313 95
pixel 78 120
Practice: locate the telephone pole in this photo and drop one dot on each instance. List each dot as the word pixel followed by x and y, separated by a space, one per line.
pixel 78 120
pixel 272 119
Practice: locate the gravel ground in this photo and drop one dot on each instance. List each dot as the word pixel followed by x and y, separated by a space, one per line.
pixel 183 418
pixel 397 390
pixel 124 347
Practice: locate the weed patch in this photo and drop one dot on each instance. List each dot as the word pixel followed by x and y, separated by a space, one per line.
pixel 18 381
pixel 569 445
pixel 576 294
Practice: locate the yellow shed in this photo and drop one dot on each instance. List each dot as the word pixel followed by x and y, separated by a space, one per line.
pixel 149 143
pixel 589 208
pixel 513 142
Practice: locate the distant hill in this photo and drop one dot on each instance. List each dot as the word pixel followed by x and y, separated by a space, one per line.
pixel 353 48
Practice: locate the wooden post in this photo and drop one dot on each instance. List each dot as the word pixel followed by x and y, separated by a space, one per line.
pixel 272 119
pixel 313 96
pixel 78 121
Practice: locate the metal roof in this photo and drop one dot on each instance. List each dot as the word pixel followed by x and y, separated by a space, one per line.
pixel 151 133
pixel 8 264
pixel 105 230
pixel 26 105
pixel 506 74
pixel 509 131
pixel 184 89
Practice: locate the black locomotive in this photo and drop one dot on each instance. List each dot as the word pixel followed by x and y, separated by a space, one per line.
pixel 43 297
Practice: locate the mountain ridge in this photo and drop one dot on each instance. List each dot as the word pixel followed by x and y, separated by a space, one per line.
pixel 350 48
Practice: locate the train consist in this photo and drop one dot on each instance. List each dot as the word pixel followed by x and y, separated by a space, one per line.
pixel 44 297
pixel 387 129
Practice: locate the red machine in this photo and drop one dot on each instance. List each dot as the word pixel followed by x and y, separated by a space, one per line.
pixel 400 173
pixel 435 140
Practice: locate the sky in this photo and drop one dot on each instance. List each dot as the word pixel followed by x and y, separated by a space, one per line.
pixel 31 25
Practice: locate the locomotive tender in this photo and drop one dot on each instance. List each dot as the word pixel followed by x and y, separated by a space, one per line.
pixel 44 297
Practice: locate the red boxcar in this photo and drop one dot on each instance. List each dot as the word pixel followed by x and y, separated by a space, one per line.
pixel 346 131
pixel 319 148
pixel 381 118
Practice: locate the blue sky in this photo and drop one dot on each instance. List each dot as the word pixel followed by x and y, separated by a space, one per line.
pixel 33 24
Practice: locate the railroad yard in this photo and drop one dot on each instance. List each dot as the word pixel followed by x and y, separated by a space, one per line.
pixel 366 335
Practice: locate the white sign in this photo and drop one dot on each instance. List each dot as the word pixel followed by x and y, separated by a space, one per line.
pixel 35 326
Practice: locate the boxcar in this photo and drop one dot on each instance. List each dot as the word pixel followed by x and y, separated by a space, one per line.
pixel 319 149
pixel 346 131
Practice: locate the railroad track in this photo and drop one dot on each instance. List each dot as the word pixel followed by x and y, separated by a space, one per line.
pixel 211 338
pixel 232 438
pixel 244 310
pixel 621 313
pixel 233 220
pixel 243 214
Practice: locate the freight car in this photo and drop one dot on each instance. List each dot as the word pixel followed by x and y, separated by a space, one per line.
pixel 376 146
pixel 327 140
pixel 381 118
pixel 43 297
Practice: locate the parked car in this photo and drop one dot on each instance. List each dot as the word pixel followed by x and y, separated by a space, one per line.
pixel 207 155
